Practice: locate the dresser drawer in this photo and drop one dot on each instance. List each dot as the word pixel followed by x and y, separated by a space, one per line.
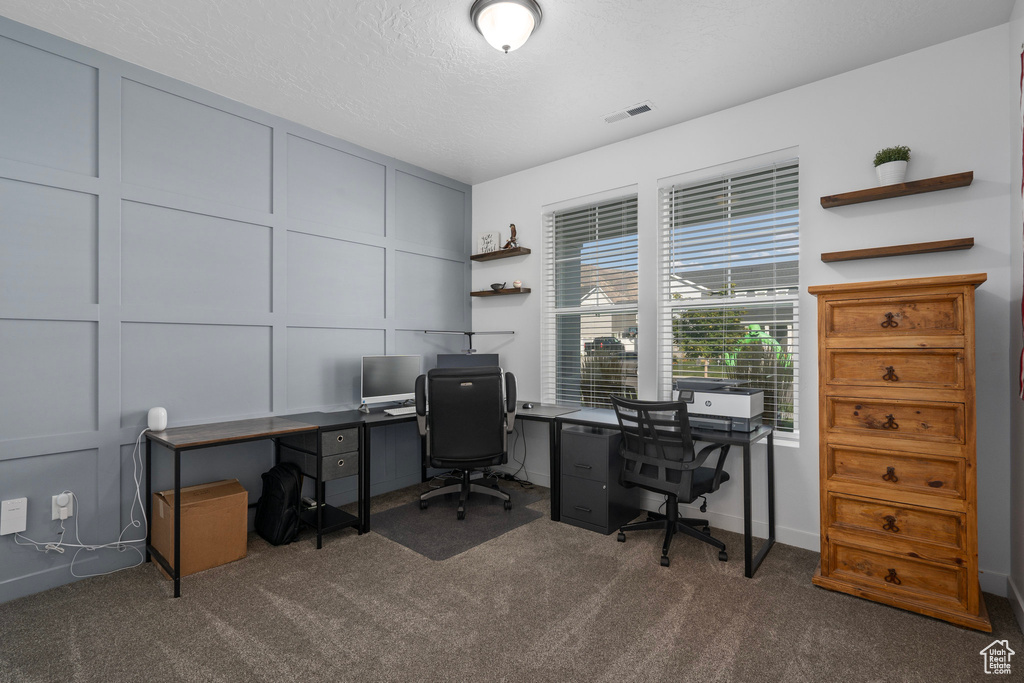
pixel 940 314
pixel 892 472
pixel 333 467
pixel 895 368
pixel 905 523
pixel 938 584
pixel 896 419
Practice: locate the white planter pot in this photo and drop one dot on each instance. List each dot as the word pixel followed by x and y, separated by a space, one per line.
pixel 891 173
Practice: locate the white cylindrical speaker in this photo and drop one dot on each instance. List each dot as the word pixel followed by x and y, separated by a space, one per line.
pixel 157 419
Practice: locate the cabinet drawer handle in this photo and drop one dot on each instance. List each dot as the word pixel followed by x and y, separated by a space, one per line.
pixel 889 322
pixel 890 475
pixel 341 437
pixel 893 579
pixel 584 467
pixel 890 422
pixel 890 524
pixel 890 374
pixel 583 509
pixel 341 463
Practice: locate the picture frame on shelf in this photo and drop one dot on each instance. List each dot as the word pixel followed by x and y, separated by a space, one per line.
pixel 489 242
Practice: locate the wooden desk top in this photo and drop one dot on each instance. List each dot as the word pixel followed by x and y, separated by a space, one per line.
pixel 217 433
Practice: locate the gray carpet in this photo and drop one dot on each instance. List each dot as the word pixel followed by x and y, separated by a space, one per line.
pixel 435 532
pixel 542 602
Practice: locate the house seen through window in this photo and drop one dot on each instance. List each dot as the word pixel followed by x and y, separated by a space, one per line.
pixel 591 305
pixel 729 281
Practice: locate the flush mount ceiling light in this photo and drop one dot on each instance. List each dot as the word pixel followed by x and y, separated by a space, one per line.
pixel 505 24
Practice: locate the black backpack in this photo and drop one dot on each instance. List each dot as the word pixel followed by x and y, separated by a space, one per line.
pixel 277 510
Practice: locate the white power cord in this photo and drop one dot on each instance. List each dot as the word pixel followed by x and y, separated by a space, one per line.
pixel 121 544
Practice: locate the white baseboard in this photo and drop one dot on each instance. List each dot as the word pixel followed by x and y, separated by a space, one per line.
pixel 1016 601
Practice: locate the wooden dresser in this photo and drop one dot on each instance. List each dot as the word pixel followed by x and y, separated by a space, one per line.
pixel 897 445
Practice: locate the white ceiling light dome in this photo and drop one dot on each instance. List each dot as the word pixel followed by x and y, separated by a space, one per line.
pixel 506 24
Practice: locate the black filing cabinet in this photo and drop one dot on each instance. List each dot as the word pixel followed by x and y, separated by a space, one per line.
pixel 592 497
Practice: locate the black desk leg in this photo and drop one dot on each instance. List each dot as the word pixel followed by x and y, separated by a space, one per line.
pixel 320 494
pixel 149 497
pixel 554 446
pixel 748 552
pixel 177 523
pixel 751 563
pixel 363 480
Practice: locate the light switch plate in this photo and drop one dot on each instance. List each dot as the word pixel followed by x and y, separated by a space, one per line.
pixel 13 514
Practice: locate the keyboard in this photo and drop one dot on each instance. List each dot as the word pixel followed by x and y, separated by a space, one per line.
pixel 404 410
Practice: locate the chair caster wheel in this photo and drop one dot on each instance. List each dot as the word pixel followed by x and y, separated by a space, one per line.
pixel 508 504
pixel 723 556
pixel 621 538
pixel 664 560
pixel 460 514
pixel 423 505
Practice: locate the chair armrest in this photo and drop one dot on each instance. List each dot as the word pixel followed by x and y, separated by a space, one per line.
pixel 723 452
pixel 510 401
pixel 421 404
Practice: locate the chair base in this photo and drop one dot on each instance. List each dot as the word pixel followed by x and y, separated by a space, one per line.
pixel 672 523
pixel 464 487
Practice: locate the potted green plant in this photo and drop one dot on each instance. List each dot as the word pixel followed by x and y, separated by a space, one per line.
pixel 891 164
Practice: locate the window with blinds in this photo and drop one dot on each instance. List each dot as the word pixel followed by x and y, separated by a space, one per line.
pixel 589 346
pixel 729 281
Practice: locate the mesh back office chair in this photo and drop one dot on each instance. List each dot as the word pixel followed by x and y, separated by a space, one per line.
pixel 658 455
pixel 467 426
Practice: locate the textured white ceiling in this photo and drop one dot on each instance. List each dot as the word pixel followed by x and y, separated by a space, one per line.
pixel 414 80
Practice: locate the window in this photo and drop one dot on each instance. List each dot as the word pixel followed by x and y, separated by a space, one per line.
pixel 590 303
pixel 729 283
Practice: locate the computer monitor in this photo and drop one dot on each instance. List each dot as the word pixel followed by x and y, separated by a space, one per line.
pixel 467 360
pixel 389 378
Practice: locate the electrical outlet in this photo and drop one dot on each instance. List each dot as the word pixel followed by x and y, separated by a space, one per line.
pixel 13 514
pixel 62 501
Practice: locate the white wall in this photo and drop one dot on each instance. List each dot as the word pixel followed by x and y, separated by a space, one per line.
pixel 948 103
pixel 1016 587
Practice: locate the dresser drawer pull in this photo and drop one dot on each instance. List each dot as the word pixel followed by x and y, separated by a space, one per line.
pixel 889 322
pixel 890 374
pixel 341 463
pixel 893 579
pixel 890 422
pixel 584 467
pixel 890 524
pixel 341 437
pixel 583 509
pixel 890 475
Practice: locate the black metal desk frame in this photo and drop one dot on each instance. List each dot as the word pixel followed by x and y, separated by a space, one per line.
pixel 181 439
pixel 746 440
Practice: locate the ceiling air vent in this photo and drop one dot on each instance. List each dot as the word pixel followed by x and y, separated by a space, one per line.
pixel 628 112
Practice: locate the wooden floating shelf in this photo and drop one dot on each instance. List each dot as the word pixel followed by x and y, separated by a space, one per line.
pixel 945 182
pixel 501 253
pixel 501 292
pixel 899 250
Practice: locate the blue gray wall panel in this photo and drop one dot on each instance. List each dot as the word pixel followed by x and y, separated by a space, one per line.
pixel 162 245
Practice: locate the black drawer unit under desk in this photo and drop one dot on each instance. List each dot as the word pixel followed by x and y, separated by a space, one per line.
pixel 336 457
pixel 592 497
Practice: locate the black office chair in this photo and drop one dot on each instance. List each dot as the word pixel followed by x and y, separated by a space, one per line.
pixel 467 426
pixel 658 455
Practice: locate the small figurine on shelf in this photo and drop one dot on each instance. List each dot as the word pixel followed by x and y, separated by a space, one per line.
pixel 512 242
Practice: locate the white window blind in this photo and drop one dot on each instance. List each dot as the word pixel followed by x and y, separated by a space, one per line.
pixel 730 283
pixel 589 345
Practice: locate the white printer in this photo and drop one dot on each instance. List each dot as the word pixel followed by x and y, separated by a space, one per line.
pixel 722 404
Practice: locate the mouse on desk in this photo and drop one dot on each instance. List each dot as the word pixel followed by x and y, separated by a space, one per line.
pixel 527 406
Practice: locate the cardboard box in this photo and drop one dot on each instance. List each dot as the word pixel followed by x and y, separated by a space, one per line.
pixel 213 525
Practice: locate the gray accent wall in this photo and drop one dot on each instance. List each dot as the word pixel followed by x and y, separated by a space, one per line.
pixel 161 245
